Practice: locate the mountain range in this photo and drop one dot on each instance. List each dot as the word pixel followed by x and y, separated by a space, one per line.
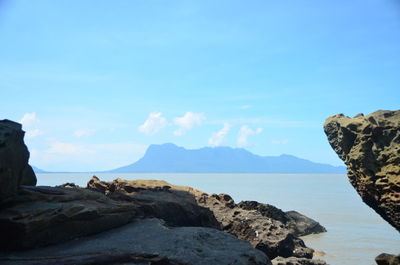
pixel 169 158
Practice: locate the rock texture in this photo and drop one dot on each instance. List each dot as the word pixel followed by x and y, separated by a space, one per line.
pixel 297 261
pixel 151 239
pixel 266 227
pixel 14 156
pixel 370 147
pixel 387 259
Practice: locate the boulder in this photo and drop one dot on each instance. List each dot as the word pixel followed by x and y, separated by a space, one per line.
pixel 387 259
pixel 146 239
pixel 370 147
pixel 14 156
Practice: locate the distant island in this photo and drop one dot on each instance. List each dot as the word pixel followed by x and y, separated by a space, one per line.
pixel 169 158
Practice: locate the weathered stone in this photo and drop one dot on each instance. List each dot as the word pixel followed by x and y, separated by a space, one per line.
pixel 41 216
pixel 387 259
pixel 297 261
pixel 370 147
pixel 266 227
pixel 14 156
pixel 150 237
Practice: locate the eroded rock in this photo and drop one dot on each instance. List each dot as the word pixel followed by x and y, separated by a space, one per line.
pixel 14 156
pixel 150 238
pixel 370 147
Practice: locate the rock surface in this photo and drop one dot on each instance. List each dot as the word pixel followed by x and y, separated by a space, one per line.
pixel 148 238
pixel 387 259
pixel 297 261
pixel 14 156
pixel 370 147
pixel 266 227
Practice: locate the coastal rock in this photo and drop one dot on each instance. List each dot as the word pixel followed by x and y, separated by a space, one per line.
pixel 155 198
pixel 370 147
pixel 266 227
pixel 297 261
pixel 148 238
pixel 387 259
pixel 14 156
pixel 42 216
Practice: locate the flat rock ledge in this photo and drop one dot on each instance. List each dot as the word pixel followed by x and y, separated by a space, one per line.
pixel 370 147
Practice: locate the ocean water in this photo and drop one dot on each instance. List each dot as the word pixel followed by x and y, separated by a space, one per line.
pixel 356 234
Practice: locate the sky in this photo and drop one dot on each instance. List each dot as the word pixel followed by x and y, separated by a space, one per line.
pixel 94 83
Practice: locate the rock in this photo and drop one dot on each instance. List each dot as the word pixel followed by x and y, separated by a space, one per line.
pixel 14 156
pixel 387 259
pixel 154 198
pixel 302 225
pixel 297 261
pixel 266 227
pixel 370 147
pixel 148 238
pixel 41 216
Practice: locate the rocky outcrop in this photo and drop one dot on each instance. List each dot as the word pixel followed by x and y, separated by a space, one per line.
pixel 266 227
pixel 370 147
pixel 143 240
pixel 14 156
pixel 387 259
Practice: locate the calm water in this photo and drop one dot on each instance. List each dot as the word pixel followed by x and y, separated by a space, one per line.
pixel 356 234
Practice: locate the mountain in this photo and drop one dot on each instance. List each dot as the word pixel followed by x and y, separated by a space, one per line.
pixel 169 158
pixel 38 170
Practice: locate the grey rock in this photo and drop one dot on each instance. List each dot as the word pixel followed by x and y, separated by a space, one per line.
pixel 14 156
pixel 297 261
pixel 183 245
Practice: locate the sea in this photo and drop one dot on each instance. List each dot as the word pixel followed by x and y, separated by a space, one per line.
pixel 356 234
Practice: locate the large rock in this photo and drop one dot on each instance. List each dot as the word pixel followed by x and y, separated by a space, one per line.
pixel 266 227
pixel 387 259
pixel 14 156
pixel 147 238
pixel 370 147
pixel 43 216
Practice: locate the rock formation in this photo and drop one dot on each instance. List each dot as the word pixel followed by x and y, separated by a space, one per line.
pixel 370 147
pixel 14 156
pixel 266 227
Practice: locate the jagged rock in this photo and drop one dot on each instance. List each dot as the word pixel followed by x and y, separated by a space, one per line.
pixel 264 226
pixel 387 259
pixel 297 261
pixel 370 147
pixel 255 223
pixel 178 206
pixel 148 238
pixel 14 156
pixel 42 215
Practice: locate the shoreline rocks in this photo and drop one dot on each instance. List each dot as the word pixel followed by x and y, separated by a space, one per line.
pixel 14 155
pixel 370 147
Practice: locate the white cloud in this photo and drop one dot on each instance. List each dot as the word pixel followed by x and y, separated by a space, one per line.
pixel 29 119
pixel 68 156
pixel 244 132
pixel 285 141
pixel 187 122
pixel 83 132
pixel 33 133
pixel 218 137
pixel 58 147
pixel 153 124
pixel 29 122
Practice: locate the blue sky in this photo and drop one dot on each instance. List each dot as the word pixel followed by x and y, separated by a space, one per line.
pixel 96 82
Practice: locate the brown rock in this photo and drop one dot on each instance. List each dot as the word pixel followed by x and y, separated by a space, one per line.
pixel 297 261
pixel 387 259
pixel 14 156
pixel 370 147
